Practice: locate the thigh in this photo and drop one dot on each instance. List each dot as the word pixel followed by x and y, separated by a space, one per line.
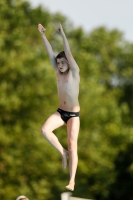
pixel 53 122
pixel 73 126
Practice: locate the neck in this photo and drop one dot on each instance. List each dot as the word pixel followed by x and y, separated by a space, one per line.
pixel 64 72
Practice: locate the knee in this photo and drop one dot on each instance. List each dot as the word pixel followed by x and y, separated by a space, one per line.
pixel 44 129
pixel 72 147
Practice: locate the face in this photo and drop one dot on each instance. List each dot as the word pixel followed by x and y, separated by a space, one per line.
pixel 62 64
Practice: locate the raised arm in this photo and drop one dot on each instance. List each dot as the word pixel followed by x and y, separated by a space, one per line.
pixel 72 62
pixel 47 46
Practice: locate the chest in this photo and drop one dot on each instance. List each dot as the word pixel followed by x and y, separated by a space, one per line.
pixel 65 81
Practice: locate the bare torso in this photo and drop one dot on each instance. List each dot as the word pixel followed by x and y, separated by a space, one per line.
pixel 68 91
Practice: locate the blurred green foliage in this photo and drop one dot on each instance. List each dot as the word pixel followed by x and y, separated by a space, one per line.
pixel 28 164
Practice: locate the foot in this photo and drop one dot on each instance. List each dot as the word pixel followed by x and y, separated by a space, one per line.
pixel 70 186
pixel 64 159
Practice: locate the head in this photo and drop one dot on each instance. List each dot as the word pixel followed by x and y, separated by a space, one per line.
pixel 22 198
pixel 62 62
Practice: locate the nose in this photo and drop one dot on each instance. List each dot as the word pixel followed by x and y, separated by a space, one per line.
pixel 60 64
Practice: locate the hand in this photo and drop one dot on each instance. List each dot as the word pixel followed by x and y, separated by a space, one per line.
pixel 60 29
pixel 41 28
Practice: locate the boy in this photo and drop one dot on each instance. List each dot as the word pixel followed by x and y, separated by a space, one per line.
pixel 67 76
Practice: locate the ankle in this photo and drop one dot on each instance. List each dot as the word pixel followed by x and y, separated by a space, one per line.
pixel 72 183
pixel 65 152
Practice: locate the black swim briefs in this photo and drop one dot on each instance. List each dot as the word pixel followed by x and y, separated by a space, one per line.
pixel 65 115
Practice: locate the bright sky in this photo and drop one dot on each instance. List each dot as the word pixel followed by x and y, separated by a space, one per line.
pixel 91 14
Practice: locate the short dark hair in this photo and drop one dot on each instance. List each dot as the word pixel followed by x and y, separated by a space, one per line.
pixel 61 55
